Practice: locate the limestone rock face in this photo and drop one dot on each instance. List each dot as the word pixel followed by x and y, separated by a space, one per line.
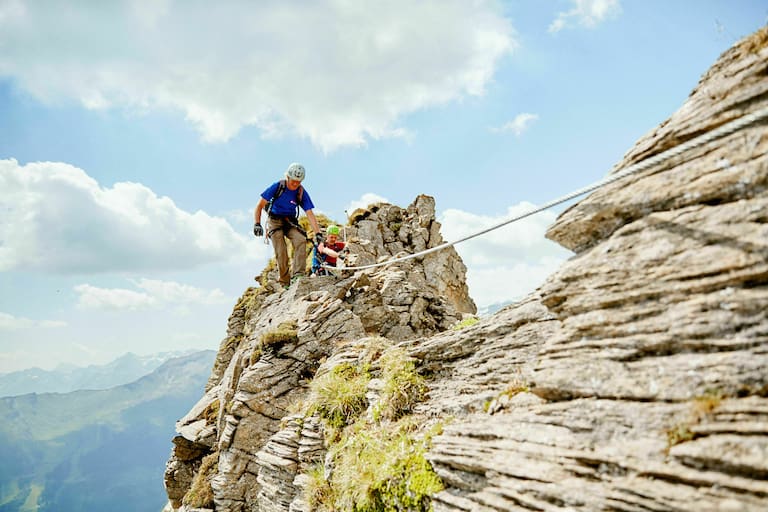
pixel 635 378
pixel 253 385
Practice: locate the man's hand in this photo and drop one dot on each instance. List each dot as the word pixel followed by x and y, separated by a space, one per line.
pixel 258 230
pixel 319 238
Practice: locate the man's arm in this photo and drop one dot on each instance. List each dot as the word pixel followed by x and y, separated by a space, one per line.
pixel 257 229
pixel 313 222
pixel 257 211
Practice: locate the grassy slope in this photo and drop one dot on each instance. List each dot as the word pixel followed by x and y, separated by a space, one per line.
pixel 95 450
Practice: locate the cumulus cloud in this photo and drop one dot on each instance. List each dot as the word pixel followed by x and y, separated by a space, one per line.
pixel 239 216
pixel 116 299
pixel 364 201
pixel 586 13
pixel 509 262
pixel 57 218
pixel 518 125
pixel 155 294
pixel 336 72
pixel 177 293
pixel 10 322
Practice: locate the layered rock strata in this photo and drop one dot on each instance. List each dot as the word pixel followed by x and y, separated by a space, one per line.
pixel 634 379
pixel 245 414
pixel 645 356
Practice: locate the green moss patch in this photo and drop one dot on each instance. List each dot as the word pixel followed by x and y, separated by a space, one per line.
pixel 379 463
pixel 467 322
pixel 378 468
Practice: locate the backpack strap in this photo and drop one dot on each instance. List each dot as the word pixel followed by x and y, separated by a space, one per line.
pixel 278 193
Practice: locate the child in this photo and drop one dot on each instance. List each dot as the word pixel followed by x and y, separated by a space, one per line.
pixel 328 250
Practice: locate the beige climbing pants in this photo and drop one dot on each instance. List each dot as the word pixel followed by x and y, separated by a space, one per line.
pixel 280 229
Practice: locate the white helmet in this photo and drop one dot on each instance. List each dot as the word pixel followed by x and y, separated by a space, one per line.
pixel 295 172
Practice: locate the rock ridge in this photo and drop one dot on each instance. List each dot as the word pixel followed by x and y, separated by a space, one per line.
pixel 245 415
pixel 633 379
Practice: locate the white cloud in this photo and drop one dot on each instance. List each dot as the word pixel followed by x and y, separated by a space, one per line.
pixel 336 72
pixel 506 263
pixel 239 216
pixel 155 295
pixel 50 357
pixel 116 299
pixel 57 218
pixel 366 199
pixel 518 125
pixel 506 283
pixel 587 13
pixel 10 322
pixel 177 293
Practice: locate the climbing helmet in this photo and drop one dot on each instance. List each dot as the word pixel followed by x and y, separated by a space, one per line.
pixel 295 172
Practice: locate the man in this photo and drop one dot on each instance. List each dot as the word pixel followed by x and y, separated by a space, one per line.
pixel 283 199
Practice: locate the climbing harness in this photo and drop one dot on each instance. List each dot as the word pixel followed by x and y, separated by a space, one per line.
pixel 281 186
pixel 286 223
pixel 721 131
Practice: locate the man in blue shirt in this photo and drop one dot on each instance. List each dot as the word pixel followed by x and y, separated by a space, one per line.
pixel 283 199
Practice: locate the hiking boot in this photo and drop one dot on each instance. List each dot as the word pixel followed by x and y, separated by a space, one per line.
pixel 296 278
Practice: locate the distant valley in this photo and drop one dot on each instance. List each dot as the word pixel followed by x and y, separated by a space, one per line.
pixel 64 379
pixel 93 450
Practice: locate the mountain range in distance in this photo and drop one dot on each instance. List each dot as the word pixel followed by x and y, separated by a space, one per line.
pixel 96 449
pixel 66 378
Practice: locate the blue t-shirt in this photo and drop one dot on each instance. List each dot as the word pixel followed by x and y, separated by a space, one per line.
pixel 285 205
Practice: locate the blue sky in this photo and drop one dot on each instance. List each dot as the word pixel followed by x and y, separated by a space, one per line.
pixel 137 135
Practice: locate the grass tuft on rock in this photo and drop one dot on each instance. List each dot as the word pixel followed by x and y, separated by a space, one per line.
pixel 755 42
pixel 339 395
pixel 200 494
pixel 403 386
pixel 378 462
pixel 380 468
pixel 286 332
pixel 318 492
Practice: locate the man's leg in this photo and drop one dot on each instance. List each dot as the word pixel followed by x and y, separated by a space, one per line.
pixel 281 251
pixel 299 242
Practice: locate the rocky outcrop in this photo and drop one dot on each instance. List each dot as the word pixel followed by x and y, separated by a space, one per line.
pixel 638 370
pixel 255 380
pixel 633 379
